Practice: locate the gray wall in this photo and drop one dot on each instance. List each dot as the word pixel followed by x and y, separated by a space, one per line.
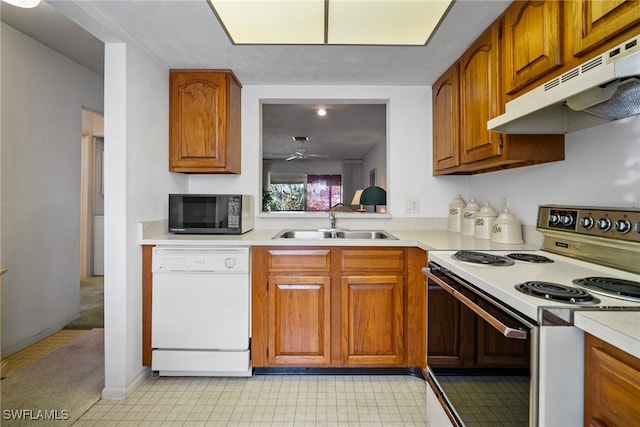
pixel 43 94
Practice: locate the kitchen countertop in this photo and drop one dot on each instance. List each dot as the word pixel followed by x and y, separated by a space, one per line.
pixel 618 328
pixel 621 329
pixel 424 239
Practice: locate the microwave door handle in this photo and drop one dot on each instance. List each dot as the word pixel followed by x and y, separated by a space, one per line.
pixel 495 323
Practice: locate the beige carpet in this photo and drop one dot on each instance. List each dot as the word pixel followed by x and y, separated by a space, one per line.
pixel 58 389
pixel 91 304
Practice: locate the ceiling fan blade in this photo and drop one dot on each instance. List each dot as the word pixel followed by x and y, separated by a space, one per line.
pixel 293 157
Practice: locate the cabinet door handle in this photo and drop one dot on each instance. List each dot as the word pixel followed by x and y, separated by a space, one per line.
pixel 489 318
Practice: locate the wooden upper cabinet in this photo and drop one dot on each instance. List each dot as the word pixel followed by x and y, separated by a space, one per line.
pixel 461 142
pixel 204 122
pixel 480 97
pixel 446 119
pixel 595 22
pixel 532 40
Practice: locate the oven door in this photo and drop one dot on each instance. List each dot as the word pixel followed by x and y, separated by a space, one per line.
pixel 473 386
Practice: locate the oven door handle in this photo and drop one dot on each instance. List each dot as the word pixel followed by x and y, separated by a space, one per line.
pixel 489 318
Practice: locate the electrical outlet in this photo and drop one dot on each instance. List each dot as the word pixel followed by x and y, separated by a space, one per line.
pixel 412 206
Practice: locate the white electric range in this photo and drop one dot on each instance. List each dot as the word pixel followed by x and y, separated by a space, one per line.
pixel 600 245
pixel 500 282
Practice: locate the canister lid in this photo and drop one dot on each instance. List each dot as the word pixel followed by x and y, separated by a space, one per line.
pixel 506 217
pixel 472 206
pixel 487 211
pixel 458 202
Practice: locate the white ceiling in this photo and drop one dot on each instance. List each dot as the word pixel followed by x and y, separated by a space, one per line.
pixel 348 131
pixel 46 25
pixel 186 34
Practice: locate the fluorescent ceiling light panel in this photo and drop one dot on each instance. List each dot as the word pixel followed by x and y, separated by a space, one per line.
pixel 349 22
pixel 272 22
pixel 383 22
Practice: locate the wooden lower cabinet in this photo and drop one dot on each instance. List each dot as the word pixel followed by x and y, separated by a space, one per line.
pixel 147 288
pixel 457 338
pixel 372 320
pixel 338 307
pixel 299 320
pixel 611 386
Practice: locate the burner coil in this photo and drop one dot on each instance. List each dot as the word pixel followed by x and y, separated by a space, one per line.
pixel 557 292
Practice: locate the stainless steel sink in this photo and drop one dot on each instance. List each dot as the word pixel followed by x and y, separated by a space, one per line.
pixel 334 234
pixel 364 234
pixel 304 234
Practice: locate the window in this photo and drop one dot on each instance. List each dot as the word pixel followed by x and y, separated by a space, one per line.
pixel 323 191
pixel 313 193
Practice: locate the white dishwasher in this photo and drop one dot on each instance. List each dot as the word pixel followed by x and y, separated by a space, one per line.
pixel 200 311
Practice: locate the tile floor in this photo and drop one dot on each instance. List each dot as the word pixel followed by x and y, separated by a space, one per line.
pixel 263 400
pixel 268 400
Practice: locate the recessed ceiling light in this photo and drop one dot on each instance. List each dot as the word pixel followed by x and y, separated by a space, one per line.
pixel 27 4
pixel 339 22
pixel 322 112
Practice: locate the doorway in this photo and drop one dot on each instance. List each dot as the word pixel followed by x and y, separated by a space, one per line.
pixel 91 224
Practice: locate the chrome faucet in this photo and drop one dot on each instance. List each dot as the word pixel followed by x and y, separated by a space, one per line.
pixel 332 218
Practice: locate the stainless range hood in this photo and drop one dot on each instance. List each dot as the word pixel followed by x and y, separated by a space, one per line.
pixel 601 90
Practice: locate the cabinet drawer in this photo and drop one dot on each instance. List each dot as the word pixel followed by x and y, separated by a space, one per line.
pixel 286 260
pixel 372 259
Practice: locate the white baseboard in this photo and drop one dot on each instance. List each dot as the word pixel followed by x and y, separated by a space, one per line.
pixel 123 393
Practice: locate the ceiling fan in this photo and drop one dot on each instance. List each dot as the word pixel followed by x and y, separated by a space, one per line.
pixel 302 153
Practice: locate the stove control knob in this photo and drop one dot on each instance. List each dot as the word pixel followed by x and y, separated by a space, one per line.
pixel 587 222
pixel 229 262
pixel 623 226
pixel 604 224
pixel 554 219
pixel 566 220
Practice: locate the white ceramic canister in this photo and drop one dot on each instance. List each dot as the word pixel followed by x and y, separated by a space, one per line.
pixel 484 222
pixel 506 229
pixel 455 214
pixel 469 217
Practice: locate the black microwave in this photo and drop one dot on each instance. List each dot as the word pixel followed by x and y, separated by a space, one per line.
pixel 210 213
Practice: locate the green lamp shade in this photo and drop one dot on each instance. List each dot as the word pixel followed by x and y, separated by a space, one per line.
pixel 373 196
